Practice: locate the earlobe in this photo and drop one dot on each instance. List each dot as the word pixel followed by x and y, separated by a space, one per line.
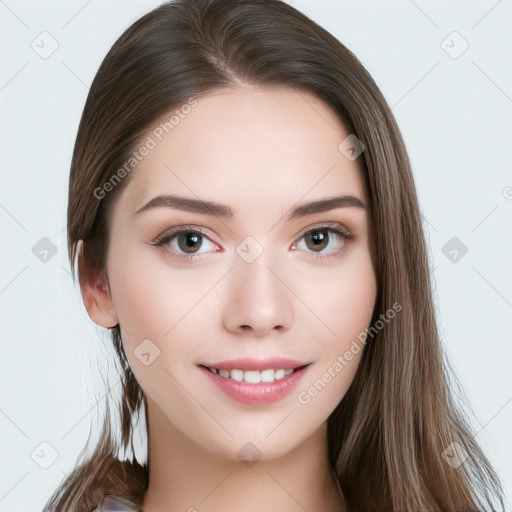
pixel 96 294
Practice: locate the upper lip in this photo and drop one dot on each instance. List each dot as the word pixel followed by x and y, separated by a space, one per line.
pixel 250 363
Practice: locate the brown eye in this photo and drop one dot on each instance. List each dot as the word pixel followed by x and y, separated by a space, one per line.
pixel 317 239
pixel 325 241
pixel 189 241
pixel 185 242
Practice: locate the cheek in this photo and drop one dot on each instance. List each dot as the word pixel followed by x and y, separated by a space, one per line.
pixel 343 298
pixel 148 296
pixel 154 303
pixel 138 302
pixel 166 305
pixel 352 299
pixel 344 302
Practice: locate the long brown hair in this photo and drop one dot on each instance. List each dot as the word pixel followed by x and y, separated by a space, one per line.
pixel 387 436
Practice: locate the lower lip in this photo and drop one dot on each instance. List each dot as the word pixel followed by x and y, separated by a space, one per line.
pixel 257 394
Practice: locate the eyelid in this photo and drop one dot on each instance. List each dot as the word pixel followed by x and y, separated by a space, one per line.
pixel 180 227
pixel 334 224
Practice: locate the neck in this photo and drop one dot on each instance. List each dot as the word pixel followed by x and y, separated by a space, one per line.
pixel 185 477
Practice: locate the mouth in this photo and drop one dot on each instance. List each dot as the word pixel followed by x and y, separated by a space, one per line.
pixel 256 382
pixel 254 376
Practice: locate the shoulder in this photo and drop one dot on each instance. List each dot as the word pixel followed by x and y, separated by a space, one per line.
pixel 111 503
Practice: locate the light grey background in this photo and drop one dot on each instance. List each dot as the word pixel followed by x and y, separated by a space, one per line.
pixel 455 115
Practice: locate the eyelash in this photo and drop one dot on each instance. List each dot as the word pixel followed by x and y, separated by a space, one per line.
pixel 173 231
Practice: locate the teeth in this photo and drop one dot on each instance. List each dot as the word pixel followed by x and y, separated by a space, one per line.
pixel 237 375
pixel 253 376
pixel 267 376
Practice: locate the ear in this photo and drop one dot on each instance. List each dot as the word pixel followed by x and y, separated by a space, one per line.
pixel 95 291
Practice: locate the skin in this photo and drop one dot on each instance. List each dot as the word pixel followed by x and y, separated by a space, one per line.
pixel 261 151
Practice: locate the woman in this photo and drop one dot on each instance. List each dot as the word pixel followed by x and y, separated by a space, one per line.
pixel 245 222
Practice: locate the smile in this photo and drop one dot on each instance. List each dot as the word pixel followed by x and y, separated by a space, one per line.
pixel 253 376
pixel 255 387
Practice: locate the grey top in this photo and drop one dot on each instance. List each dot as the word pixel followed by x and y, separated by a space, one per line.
pixel 111 503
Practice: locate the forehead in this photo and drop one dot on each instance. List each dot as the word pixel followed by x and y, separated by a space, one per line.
pixel 246 146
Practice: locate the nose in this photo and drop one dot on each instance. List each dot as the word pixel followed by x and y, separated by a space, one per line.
pixel 258 300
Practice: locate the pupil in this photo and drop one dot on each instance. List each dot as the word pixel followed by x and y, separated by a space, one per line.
pixel 319 238
pixel 190 239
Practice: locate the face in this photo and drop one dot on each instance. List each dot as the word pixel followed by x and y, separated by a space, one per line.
pixel 259 279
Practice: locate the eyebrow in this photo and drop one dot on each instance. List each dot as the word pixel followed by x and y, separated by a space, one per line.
pixel 222 210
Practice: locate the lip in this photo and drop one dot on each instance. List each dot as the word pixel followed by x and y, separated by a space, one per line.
pixel 261 393
pixel 250 363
